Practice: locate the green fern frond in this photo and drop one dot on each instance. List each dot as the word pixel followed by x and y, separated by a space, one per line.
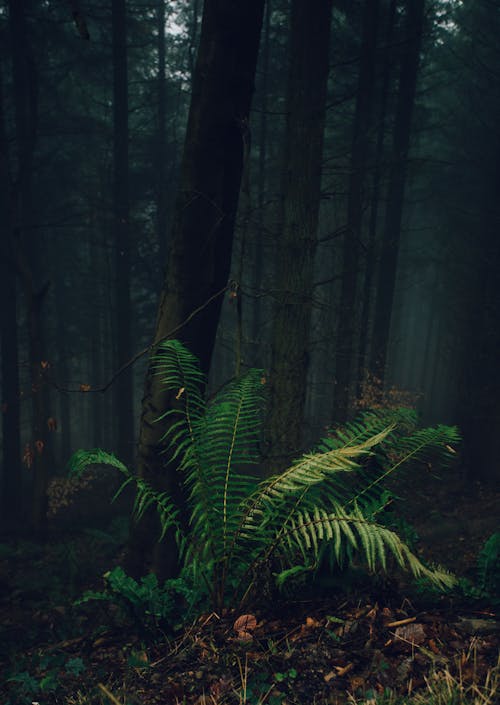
pixel 432 444
pixel 233 423
pixel 305 532
pixel 180 372
pixel 367 424
pixel 311 470
pixel 488 565
pixel 147 497
pixel 81 459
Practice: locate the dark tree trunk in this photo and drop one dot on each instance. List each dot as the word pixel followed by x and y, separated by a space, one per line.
pixel 161 153
pixel 370 269
pixel 301 189
pixel 199 254
pixel 26 249
pixel 260 236
pixel 41 449
pixel 346 343
pixel 64 421
pixel 123 390
pixel 397 182
pixel 11 440
pixel 479 411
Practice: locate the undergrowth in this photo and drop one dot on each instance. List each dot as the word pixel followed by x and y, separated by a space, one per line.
pixel 327 505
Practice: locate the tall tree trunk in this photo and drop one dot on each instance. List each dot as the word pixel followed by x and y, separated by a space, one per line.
pixel 27 253
pixel 161 153
pixel 259 239
pixel 199 254
pixel 346 342
pixel 301 188
pixel 10 409
pixel 123 390
pixel 370 268
pixel 397 182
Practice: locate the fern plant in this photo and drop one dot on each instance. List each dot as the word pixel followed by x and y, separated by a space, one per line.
pixel 326 501
pixel 488 566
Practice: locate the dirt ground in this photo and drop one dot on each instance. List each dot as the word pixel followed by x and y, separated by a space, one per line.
pixel 317 649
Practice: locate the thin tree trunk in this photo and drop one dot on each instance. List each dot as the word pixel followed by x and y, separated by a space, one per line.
pixel 261 188
pixel 11 440
pixel 397 182
pixel 123 390
pixel 203 226
pixel 161 170
pixel 370 269
pixel 27 252
pixel 348 319
pixel 301 188
pixel 64 422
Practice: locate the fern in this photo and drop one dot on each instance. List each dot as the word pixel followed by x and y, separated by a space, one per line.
pixel 80 460
pixel 488 566
pixel 327 500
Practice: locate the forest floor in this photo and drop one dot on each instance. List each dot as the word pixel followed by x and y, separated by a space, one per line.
pixel 366 642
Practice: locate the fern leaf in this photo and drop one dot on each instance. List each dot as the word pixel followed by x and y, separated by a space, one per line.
pixel 373 541
pixel 309 471
pixel 81 459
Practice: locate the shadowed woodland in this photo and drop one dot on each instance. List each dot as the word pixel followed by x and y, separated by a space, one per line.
pixel 250 333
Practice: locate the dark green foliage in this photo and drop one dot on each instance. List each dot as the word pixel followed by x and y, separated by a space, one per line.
pixel 146 603
pixel 327 500
pixel 488 567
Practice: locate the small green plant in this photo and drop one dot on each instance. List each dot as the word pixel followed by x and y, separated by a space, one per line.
pixel 146 603
pixel 484 583
pixel 75 666
pixel 324 504
pixel 26 684
pixel 488 566
pixel 258 688
pixel 286 676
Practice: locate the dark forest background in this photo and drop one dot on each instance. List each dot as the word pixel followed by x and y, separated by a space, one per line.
pixel 363 264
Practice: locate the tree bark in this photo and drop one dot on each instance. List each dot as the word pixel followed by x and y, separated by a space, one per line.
pixel 373 223
pixel 26 251
pixel 348 318
pixel 301 189
pixel 11 425
pixel 161 155
pixel 199 254
pixel 123 395
pixel 397 181
pixel 259 239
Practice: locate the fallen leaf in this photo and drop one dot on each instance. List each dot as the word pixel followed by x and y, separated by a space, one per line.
pixel 411 634
pixel 433 646
pixel 244 636
pixel 245 623
pixel 312 623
